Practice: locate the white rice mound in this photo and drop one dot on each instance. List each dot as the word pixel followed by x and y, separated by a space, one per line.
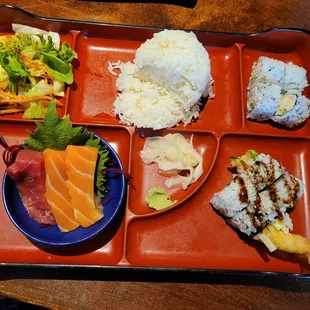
pixel 164 85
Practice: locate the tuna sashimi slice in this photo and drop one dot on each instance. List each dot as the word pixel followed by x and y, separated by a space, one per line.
pixel 57 193
pixel 29 175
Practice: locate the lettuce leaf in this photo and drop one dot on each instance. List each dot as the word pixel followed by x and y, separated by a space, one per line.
pixel 29 52
pixel 36 110
pixel 11 63
pixel 57 68
pixel 33 33
pixel 59 88
pixel 13 86
pixel 3 75
pixel 66 54
pixel 48 45
pixel 40 89
pixel 21 42
pixel 250 154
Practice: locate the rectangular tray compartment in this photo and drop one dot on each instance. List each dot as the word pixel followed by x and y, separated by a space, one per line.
pixel 295 53
pixel 148 176
pixel 105 249
pixel 96 91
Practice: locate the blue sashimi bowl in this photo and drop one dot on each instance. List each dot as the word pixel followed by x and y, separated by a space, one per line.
pixel 51 235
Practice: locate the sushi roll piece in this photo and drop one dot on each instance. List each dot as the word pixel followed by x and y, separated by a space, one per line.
pixel 292 111
pixel 263 100
pixel 261 169
pixel 286 104
pixel 267 71
pixel 268 206
pixel 253 220
pixel 285 192
pixel 294 80
pixel 236 196
pixel 275 93
pixel 263 215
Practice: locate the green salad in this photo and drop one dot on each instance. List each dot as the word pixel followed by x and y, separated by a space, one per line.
pixel 35 67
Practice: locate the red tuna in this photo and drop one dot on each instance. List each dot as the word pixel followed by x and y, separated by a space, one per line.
pixel 29 175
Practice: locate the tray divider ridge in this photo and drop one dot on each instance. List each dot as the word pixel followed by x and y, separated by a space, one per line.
pixel 74 34
pixel 240 47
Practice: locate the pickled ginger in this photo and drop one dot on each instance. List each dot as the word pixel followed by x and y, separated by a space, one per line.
pixel 173 153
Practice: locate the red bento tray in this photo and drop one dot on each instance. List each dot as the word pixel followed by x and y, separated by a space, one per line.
pixel 189 235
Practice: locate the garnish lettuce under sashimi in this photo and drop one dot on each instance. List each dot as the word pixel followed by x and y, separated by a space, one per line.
pixel 34 69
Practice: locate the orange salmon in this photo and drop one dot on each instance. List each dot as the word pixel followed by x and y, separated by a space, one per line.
pixel 80 168
pixel 57 193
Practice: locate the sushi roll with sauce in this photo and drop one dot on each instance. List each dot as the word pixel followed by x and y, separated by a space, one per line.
pixel 251 221
pixel 261 169
pixel 259 207
pixel 271 204
pixel 238 195
pixel 275 93
pixel 263 100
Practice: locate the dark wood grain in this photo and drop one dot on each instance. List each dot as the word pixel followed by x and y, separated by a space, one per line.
pixel 134 295
pixel 219 15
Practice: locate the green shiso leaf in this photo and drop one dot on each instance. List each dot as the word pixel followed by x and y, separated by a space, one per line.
pixel 103 157
pixel 55 133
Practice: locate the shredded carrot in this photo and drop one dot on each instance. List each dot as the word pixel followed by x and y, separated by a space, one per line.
pixel 6 94
pixel 22 100
pixel 11 111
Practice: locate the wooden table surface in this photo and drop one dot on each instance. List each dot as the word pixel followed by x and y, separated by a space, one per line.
pixel 218 15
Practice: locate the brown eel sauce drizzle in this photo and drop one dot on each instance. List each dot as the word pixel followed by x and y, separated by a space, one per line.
pixel 243 193
pixel 269 179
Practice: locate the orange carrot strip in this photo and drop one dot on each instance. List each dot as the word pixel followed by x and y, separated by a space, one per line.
pixel 6 94
pixel 11 111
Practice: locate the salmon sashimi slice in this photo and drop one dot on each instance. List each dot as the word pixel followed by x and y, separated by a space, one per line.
pixel 81 167
pixel 57 193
